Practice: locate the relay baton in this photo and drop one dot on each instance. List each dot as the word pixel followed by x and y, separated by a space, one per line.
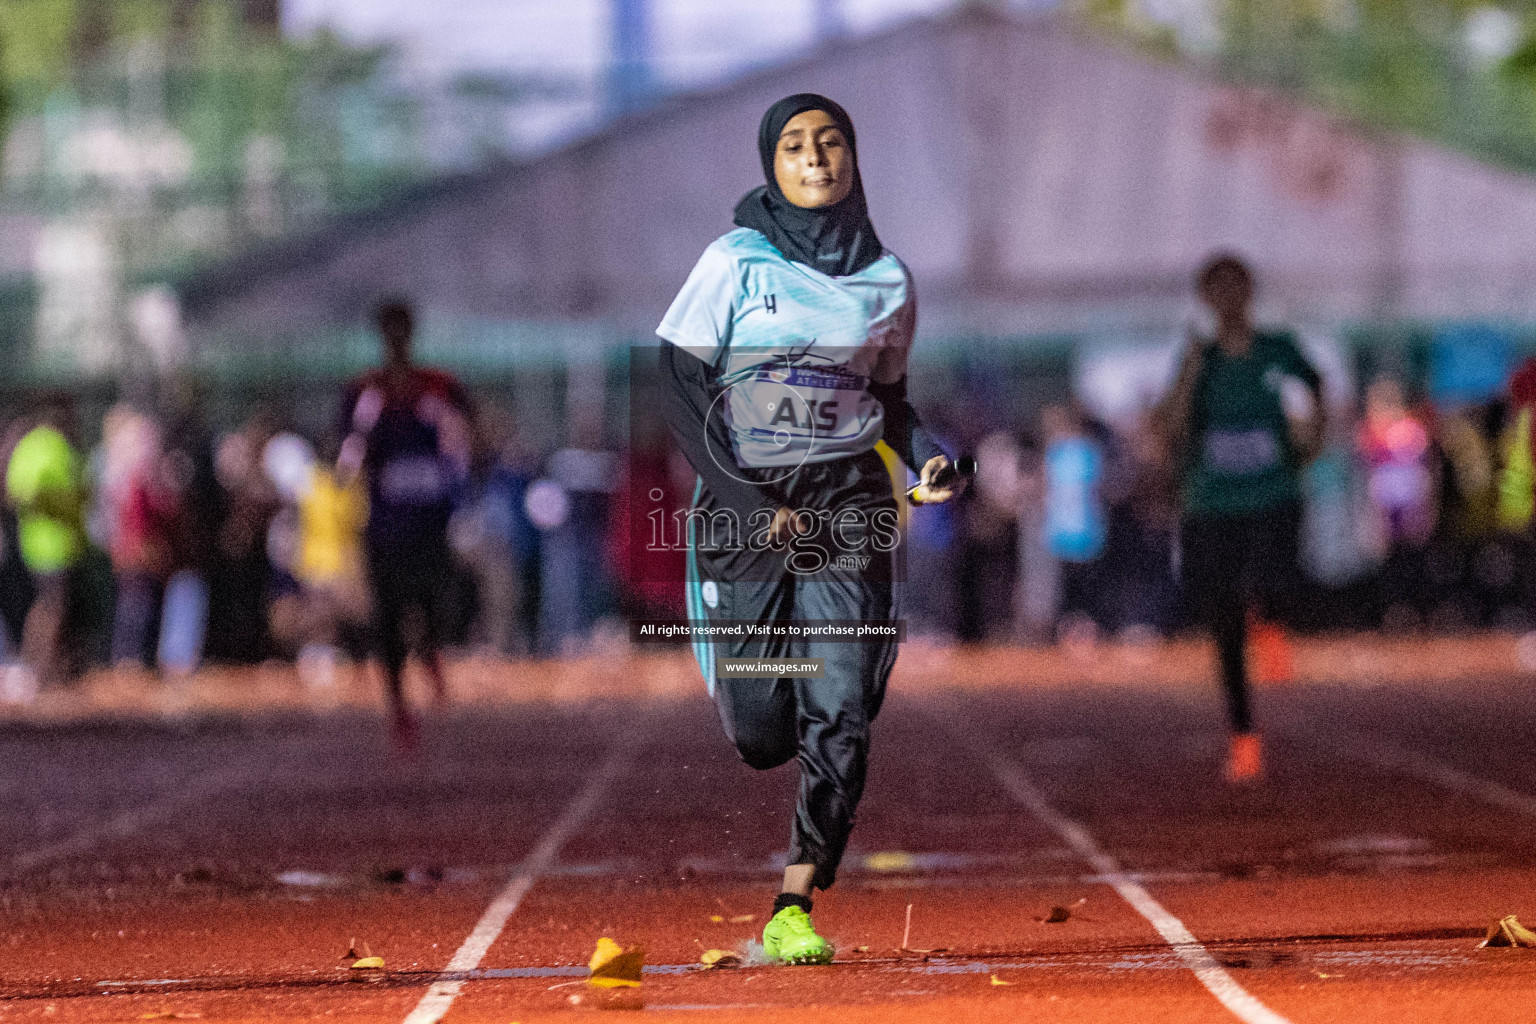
pixel 963 466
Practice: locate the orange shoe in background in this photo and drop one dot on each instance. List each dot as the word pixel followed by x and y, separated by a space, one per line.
pixel 1245 761
pixel 1269 650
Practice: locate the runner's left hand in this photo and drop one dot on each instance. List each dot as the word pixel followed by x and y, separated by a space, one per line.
pixel 927 493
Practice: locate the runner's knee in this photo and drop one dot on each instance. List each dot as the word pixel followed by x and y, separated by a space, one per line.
pixel 763 752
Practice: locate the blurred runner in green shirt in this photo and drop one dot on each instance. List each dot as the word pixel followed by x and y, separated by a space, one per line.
pixel 1241 459
pixel 44 483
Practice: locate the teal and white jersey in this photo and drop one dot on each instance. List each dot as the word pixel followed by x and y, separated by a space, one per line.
pixel 793 348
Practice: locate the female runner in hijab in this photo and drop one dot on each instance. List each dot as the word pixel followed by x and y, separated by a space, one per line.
pixel 786 364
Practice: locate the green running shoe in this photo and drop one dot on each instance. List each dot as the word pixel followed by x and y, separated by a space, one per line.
pixel 790 938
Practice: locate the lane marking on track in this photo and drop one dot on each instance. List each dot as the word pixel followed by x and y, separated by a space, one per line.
pixel 134 819
pixel 441 995
pixel 679 1007
pixel 1414 959
pixel 1428 768
pixel 1242 1003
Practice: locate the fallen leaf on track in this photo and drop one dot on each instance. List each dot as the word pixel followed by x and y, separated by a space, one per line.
pixel 613 966
pixel 894 860
pixel 720 959
pixel 999 981
pixel 1507 932
pixel 743 918
pixel 369 963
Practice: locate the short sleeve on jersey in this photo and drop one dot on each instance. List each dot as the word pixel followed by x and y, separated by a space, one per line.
pixel 904 320
pixel 700 318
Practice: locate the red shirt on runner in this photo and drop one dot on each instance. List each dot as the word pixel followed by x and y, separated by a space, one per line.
pixel 407 431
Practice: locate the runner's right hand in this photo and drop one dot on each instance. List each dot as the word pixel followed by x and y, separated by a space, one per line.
pixel 785 526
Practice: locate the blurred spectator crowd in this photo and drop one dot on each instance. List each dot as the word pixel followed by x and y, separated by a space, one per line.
pixel 164 545
pixel 151 541
pixel 1417 515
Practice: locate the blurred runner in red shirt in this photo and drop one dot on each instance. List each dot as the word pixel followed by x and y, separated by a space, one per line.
pixel 407 431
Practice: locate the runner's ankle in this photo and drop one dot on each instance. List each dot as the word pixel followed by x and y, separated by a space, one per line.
pixel 792 899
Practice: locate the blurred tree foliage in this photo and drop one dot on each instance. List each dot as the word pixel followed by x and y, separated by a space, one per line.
pixel 148 109
pixel 1459 72
pixel 5 99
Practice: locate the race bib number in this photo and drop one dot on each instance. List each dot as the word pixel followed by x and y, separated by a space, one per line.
pixel 781 415
pixel 1242 452
pixel 413 480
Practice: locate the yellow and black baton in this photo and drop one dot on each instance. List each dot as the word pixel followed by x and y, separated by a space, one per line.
pixel 963 466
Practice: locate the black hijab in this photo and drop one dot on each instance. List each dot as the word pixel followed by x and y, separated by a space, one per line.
pixel 837 240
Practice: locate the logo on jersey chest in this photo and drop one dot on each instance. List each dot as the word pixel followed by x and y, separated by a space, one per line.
pixel 824 411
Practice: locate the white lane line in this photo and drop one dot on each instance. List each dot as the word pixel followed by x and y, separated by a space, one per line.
pixel 439 998
pixel 1195 956
pixel 135 819
pixel 1386 754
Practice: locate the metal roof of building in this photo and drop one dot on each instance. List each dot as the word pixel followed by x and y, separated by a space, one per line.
pixel 1033 178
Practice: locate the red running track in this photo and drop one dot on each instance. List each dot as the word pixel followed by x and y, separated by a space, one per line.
pixel 220 869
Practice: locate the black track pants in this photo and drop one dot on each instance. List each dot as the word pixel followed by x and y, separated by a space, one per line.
pixel 403 575
pixel 824 722
pixel 1233 564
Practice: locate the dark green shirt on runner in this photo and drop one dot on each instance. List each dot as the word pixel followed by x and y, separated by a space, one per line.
pixel 1241 458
